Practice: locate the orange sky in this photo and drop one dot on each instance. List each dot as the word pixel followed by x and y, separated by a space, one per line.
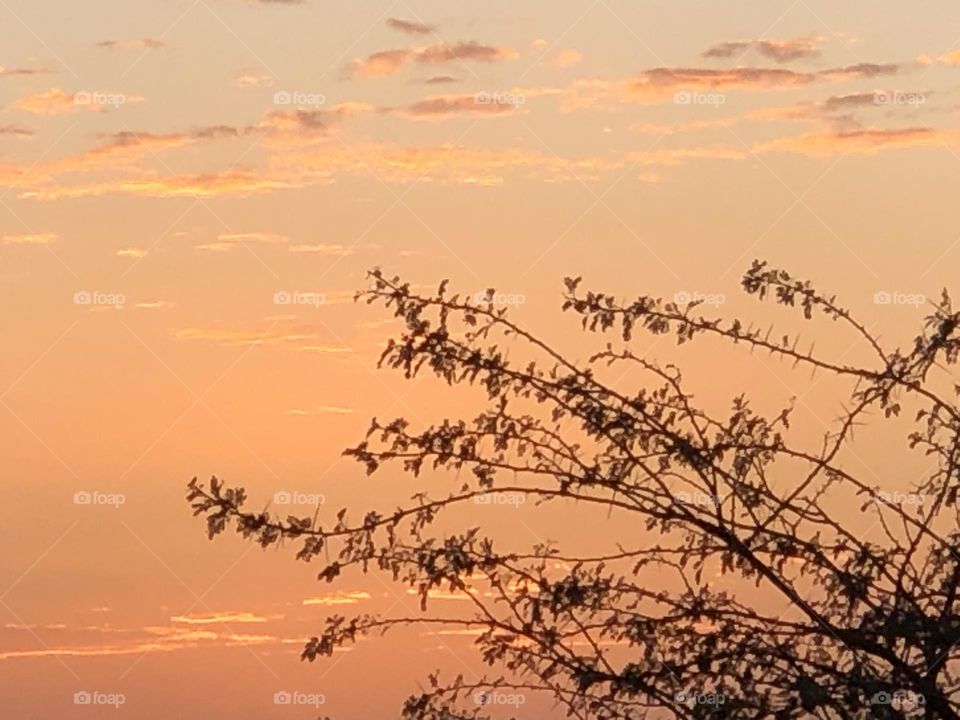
pixel 191 190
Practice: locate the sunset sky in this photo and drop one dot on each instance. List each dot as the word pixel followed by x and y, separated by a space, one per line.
pixel 192 190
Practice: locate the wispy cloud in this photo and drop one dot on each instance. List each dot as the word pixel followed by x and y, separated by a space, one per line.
pixel 647 128
pixel 224 184
pixel 339 598
pixel 302 338
pixel 232 617
pixel 443 106
pixel 57 102
pixel 21 71
pixel 861 70
pixel 154 305
pixel 30 239
pixel 144 43
pixel 297 123
pixel 566 59
pixel 471 50
pixel 52 102
pixel 380 64
pixel 18 130
pixel 861 142
pixel 411 27
pixel 321 410
pixel 390 62
pixel 300 154
pixel 678 156
pixel 230 241
pixel 841 114
pixel 779 50
pixel 951 58
pixel 322 249
pixel 660 84
pixel 184 634
pixel 461 164
pixel 250 79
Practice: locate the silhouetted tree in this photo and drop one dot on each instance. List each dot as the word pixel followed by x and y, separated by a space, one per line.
pixel 872 627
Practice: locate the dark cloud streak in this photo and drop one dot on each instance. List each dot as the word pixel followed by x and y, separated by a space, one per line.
pixel 411 27
pixel 780 51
